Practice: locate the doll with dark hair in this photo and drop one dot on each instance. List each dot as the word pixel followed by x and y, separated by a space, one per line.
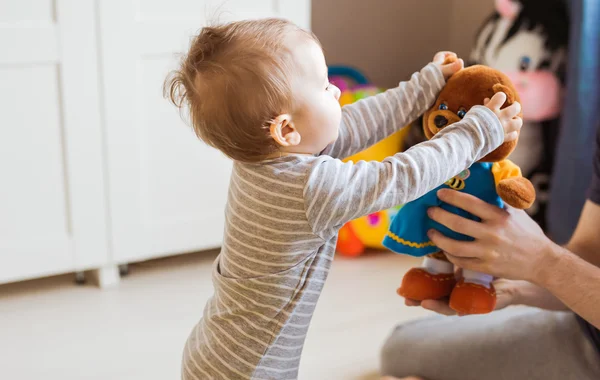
pixel 527 40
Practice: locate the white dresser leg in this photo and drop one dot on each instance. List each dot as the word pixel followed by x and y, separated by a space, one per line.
pixel 107 277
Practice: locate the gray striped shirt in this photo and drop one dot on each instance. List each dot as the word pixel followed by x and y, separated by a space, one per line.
pixel 282 221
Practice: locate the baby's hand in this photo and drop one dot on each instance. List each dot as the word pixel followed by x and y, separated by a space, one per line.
pixel 451 68
pixel 508 116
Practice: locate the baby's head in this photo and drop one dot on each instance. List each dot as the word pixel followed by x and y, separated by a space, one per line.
pixel 257 89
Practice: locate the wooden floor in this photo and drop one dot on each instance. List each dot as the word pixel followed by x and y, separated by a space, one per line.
pixel 52 329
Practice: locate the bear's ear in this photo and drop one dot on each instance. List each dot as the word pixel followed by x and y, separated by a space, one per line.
pixel 510 96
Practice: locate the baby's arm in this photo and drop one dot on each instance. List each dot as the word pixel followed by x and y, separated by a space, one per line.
pixel 370 120
pixel 337 192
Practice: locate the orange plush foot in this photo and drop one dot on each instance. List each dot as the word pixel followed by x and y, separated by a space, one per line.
pixel 419 285
pixel 468 298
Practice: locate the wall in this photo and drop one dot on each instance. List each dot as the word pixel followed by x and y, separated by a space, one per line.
pixel 390 39
pixel 467 17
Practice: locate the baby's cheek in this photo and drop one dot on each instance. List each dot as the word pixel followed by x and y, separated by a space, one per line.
pixel 338 117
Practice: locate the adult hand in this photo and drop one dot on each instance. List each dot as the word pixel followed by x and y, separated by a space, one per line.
pixel 508 243
pixel 507 293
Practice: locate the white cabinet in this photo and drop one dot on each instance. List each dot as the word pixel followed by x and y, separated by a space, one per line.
pixel 52 200
pixel 96 168
pixel 167 190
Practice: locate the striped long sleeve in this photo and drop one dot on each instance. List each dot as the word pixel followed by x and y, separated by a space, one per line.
pixel 370 120
pixel 338 192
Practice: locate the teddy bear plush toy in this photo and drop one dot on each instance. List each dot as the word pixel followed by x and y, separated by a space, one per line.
pixel 493 179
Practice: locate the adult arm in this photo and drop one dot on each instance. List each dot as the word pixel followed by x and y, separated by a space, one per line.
pixel 509 244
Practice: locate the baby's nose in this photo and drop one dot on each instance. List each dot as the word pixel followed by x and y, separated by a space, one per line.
pixel 336 92
pixel 440 121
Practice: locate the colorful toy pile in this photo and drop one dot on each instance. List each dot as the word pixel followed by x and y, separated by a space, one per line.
pixel 368 231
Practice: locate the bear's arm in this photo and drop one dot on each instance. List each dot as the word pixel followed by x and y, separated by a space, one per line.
pixel 505 169
pixel 515 190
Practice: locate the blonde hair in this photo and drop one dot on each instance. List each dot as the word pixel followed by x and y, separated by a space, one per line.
pixel 234 80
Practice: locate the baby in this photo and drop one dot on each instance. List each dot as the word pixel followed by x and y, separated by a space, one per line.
pixel 258 91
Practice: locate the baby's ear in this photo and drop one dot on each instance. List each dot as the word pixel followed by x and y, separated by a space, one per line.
pixel 284 132
pixel 510 95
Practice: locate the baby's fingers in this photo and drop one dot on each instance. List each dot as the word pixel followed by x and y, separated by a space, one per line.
pixel 513 126
pixel 511 137
pixel 440 57
pixel 497 101
pixel 455 66
pixel 512 110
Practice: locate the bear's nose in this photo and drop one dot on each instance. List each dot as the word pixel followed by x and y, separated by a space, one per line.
pixel 440 121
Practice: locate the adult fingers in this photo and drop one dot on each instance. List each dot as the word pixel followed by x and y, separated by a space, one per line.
pixel 409 302
pixel 506 291
pixel 458 248
pixel 472 263
pixel 438 306
pixel 471 204
pixel 456 223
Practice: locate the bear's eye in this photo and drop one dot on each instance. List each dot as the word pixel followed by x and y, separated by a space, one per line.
pixel 461 113
pixel 524 63
pixel 443 106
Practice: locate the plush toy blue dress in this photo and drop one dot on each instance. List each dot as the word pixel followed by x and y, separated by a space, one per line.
pixel 408 232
